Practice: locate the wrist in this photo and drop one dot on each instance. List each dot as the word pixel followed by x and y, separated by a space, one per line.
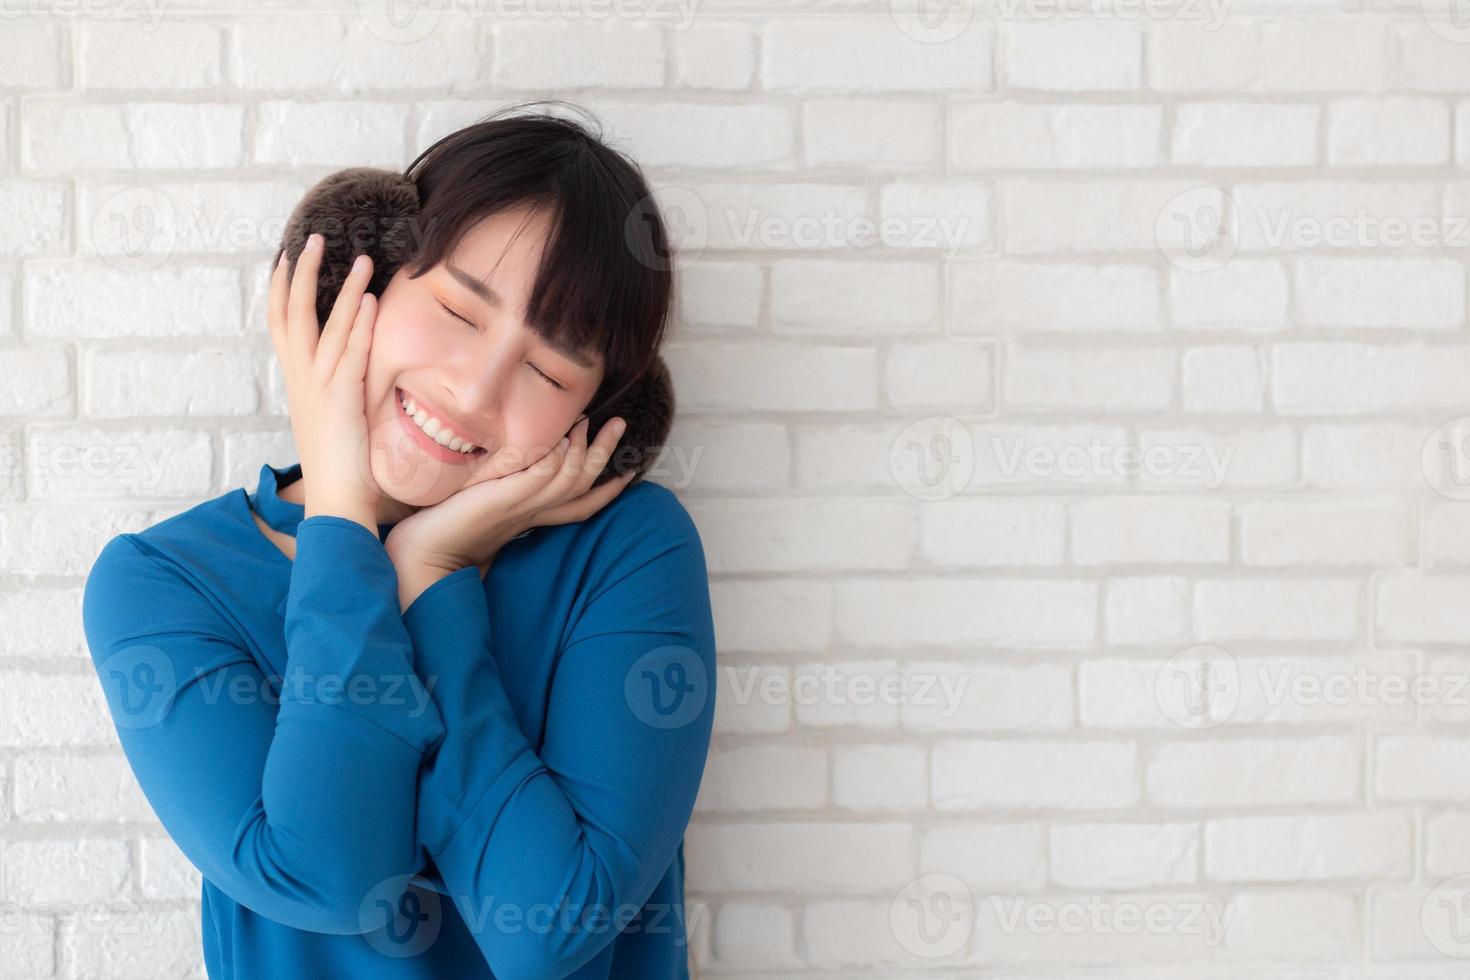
pixel 362 514
pixel 414 578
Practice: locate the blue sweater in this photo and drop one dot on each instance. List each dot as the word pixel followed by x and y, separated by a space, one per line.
pixel 494 782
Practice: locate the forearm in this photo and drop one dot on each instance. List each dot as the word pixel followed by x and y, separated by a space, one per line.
pixel 330 507
pixel 294 794
pixel 350 700
pixel 416 575
pixel 600 803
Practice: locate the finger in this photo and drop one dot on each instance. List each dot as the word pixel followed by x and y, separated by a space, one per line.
pixel 582 507
pixel 352 365
pixel 576 454
pixel 594 460
pixel 568 472
pixel 504 462
pixel 334 336
pixel 276 307
pixel 600 452
pixel 302 329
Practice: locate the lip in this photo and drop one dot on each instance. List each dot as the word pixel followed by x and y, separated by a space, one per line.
pixel 421 438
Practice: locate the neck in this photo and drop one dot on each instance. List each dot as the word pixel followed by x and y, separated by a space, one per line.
pixel 390 511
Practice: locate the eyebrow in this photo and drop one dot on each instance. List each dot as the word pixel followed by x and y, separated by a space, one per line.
pixel 491 297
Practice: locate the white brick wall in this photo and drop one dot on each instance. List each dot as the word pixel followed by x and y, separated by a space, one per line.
pixel 997 463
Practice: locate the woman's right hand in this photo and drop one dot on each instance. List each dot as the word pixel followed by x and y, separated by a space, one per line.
pixel 324 370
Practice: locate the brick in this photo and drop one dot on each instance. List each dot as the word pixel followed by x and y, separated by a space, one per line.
pixel 798 857
pixel 989 533
pixel 1075 775
pixel 763 777
pixel 537 54
pixel 1084 57
pixel 123 55
pixel 880 777
pixel 812 297
pixel 870 133
pixel 1242 772
pixel 1005 297
pixel 751 137
pixel 330 134
pixel 714 56
pixel 945 611
pixel 788 535
pixel 1124 855
pixel 1222 134
pixel 331 54
pixel 87 789
pixel 210 381
pixel 67 135
pixel 773 377
pixel 1388 132
pixel 943 374
pixel 1141 530
pixel 1293 848
pixel 1022 136
pixel 1275 609
pixel 861 55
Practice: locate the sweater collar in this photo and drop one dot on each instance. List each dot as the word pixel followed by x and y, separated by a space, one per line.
pixel 280 514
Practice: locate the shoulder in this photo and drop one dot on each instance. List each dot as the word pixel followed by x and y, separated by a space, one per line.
pixel 128 577
pixel 645 518
pixel 174 546
pixel 149 580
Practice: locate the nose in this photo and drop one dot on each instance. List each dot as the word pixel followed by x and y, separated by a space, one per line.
pixel 474 386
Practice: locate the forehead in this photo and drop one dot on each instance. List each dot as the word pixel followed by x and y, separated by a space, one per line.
pixel 503 249
pixel 497 259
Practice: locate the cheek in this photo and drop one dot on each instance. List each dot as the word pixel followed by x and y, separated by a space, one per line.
pixel 402 341
pixel 529 427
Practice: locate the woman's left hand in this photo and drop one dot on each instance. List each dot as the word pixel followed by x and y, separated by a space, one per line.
pixel 470 526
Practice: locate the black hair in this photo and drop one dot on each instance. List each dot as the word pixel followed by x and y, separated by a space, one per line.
pixel 605 281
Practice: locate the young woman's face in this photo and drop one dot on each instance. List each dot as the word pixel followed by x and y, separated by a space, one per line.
pixel 454 341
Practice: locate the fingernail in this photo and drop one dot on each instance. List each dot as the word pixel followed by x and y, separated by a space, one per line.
pixel 565 442
pixel 618 427
pixel 282 260
pixel 315 241
pixel 583 424
pixel 359 263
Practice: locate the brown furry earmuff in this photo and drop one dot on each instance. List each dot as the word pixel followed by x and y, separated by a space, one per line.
pixel 368 210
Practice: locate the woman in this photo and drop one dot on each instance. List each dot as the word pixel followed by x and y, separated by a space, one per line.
pixel 400 733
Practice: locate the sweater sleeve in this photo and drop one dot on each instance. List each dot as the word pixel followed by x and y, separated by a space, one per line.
pixel 294 795
pixel 548 855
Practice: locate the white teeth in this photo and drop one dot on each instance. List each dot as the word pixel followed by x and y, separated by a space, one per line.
pixel 435 429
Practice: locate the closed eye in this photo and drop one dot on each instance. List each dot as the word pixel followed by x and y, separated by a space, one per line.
pixel 549 379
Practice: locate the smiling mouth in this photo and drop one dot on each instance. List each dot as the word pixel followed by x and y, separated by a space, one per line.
pixel 436 430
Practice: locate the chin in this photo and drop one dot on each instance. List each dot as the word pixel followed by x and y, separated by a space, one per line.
pixel 406 468
pixel 413 480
